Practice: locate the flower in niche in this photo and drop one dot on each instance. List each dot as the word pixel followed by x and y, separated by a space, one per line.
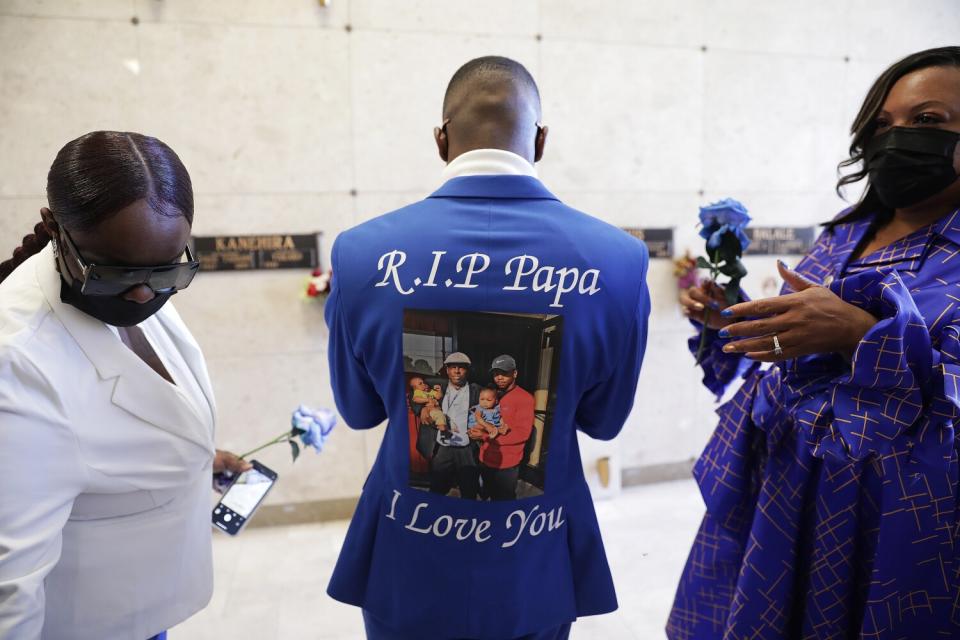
pixel 685 271
pixel 318 284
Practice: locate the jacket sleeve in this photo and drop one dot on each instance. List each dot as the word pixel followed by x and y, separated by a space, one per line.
pixel 354 392
pixel 604 408
pixel 719 368
pixel 898 378
pixel 41 476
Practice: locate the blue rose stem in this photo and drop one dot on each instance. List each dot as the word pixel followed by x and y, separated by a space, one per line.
pixel 714 272
pixel 277 440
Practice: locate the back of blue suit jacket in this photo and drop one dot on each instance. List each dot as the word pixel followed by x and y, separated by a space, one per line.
pixel 439 566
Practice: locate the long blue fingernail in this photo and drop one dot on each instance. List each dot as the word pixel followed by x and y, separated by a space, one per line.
pixel 714 305
pixel 724 333
pixel 726 313
pixel 782 264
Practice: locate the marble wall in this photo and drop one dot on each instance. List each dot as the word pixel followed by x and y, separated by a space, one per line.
pixel 296 117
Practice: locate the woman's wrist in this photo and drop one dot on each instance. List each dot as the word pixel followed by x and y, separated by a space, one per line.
pixel 861 323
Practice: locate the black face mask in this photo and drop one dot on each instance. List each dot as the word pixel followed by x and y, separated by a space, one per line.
pixel 110 309
pixel 908 165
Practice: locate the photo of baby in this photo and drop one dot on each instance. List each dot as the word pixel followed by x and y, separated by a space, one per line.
pixel 480 392
pixel 484 418
pixel 428 401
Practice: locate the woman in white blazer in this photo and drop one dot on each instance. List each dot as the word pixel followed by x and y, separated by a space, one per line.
pixel 106 411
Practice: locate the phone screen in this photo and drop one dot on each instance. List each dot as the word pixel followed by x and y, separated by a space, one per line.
pixel 243 497
pixel 247 492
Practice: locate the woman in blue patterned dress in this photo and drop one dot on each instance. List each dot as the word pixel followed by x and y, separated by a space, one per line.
pixel 831 481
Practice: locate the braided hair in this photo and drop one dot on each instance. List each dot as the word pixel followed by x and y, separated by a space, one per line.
pixel 30 245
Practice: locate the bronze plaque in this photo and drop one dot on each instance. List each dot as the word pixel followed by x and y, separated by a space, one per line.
pixel 242 253
pixel 659 241
pixel 779 241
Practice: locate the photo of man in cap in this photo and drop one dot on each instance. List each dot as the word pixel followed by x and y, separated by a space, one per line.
pixel 453 460
pixel 502 454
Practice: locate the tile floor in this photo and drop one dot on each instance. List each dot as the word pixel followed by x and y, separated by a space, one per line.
pixel 267 595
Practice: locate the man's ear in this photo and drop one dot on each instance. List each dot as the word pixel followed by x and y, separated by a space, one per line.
pixel 440 137
pixel 539 143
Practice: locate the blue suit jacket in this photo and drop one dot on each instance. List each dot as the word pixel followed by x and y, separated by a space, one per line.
pixel 439 566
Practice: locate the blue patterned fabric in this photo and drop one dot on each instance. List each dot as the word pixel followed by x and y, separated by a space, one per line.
pixel 831 486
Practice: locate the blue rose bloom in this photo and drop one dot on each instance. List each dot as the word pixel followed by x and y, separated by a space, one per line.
pixel 313 427
pixel 725 216
pixel 713 242
pixel 727 211
pixel 312 437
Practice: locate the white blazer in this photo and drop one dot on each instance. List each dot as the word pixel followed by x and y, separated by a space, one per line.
pixel 105 472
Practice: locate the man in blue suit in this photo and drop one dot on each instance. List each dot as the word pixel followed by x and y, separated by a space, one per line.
pixel 502 252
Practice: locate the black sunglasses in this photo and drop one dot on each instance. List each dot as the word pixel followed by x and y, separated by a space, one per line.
pixel 104 280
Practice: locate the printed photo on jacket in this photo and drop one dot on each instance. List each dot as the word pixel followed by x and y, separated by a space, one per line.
pixel 480 390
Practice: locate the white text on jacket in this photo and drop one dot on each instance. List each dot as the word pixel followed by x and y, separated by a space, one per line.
pixel 521 273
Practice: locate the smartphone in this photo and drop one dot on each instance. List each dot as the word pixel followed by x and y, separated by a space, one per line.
pixel 243 497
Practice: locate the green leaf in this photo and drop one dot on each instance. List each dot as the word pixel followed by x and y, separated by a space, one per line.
pixel 294 449
pixel 703 263
pixel 734 269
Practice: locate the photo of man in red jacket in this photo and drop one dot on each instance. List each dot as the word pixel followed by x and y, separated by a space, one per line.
pixel 501 456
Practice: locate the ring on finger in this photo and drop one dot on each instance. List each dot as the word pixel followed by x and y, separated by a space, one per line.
pixel 777 349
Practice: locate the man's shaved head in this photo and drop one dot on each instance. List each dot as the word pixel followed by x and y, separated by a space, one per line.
pixel 491 102
pixel 486 73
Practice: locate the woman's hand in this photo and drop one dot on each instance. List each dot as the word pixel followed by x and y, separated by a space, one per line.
pixel 226 461
pixel 706 300
pixel 812 320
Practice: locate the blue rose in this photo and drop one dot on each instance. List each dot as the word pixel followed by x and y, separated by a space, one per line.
pixel 312 437
pixel 713 242
pixel 727 211
pixel 722 226
pixel 725 216
pixel 313 427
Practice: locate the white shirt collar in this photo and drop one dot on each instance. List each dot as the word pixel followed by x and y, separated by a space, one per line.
pixel 488 162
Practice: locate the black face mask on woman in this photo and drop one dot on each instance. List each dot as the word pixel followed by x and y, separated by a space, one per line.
pixel 908 165
pixel 110 309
